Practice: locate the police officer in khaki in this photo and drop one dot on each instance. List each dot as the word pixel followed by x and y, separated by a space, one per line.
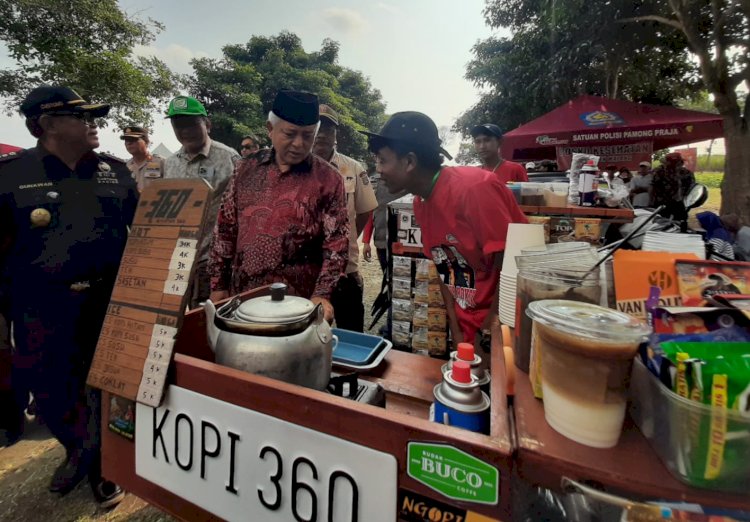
pixel 146 167
pixel 64 217
pixel 348 297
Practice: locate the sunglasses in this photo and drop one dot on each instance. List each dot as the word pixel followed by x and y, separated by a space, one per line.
pixel 249 146
pixel 85 117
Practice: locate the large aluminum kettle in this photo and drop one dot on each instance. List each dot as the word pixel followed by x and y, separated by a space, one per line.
pixel 279 336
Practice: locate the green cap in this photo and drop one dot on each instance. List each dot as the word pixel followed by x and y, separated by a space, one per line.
pixel 186 106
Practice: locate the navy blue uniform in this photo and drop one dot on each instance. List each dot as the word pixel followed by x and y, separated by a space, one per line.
pixel 62 234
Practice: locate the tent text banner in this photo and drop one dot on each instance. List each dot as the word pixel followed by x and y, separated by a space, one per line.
pixel 627 155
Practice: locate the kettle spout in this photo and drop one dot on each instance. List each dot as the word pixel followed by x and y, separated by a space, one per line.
pixel 211 330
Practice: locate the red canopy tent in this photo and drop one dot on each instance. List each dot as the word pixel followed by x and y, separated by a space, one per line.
pixel 619 131
pixel 5 149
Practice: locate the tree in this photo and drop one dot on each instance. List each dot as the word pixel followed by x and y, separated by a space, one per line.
pixel 87 45
pixel 718 33
pixel 562 49
pixel 467 155
pixel 239 88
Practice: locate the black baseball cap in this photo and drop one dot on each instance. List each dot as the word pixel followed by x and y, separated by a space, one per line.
pixel 297 107
pixel 490 129
pixel 55 99
pixel 411 127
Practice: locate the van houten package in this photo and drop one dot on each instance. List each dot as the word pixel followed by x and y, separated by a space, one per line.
pixel 636 272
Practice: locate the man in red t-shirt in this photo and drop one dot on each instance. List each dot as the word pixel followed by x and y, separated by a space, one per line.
pixel 463 212
pixel 487 138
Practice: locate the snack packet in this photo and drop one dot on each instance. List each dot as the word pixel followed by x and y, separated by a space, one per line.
pixel 716 440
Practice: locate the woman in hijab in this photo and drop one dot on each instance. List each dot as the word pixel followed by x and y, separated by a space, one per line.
pixel 717 236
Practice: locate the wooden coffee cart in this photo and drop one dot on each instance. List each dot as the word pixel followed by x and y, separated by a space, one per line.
pixel 521 446
pixel 408 381
pixel 225 444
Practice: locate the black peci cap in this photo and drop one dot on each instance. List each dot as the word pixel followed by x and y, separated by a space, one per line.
pixel 297 107
pixel 489 129
pixel 411 127
pixel 52 99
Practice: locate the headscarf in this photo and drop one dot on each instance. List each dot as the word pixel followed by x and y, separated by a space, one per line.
pixel 713 226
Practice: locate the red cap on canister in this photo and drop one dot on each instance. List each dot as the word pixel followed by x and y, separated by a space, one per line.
pixel 461 372
pixel 465 352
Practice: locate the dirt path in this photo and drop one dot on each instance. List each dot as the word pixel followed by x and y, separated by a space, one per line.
pixel 27 467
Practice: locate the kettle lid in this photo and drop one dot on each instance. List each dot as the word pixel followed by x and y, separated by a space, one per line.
pixel 277 308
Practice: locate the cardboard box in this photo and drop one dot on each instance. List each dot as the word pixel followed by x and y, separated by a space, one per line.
pixel 636 272
pixel 561 227
pixel 544 221
pixel 588 229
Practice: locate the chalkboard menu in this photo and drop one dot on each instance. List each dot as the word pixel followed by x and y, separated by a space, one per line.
pixel 151 292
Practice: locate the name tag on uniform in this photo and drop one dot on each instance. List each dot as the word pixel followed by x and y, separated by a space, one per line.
pixel 152 171
pixel 206 172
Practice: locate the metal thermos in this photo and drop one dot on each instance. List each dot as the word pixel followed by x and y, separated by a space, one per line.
pixel 587 185
pixel 459 401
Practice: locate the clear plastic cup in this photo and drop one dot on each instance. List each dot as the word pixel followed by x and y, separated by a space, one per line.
pixel 538 284
pixel 586 355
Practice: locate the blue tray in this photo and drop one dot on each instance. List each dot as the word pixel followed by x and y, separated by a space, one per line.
pixel 359 351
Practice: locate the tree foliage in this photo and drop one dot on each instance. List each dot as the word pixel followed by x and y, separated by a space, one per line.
pixel 718 34
pixel 564 48
pixel 87 45
pixel 239 88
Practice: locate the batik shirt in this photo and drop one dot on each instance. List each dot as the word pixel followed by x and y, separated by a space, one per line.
pixel 290 227
pixel 671 184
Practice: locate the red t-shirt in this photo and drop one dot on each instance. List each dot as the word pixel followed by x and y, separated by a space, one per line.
pixel 464 224
pixel 509 171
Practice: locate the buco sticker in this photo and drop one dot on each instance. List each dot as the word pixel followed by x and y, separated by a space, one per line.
pixel 453 473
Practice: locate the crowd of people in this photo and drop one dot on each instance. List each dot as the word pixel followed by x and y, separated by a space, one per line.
pixel 291 212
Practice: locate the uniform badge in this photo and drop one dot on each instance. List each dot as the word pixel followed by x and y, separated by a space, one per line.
pixel 40 217
pixel 364 178
pixel 104 167
pixel 53 195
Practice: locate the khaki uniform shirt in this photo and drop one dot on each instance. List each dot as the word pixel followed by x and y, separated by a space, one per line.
pixel 147 171
pixel 214 164
pixel 360 199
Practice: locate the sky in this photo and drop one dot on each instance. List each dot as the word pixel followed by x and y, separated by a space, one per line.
pixel 414 51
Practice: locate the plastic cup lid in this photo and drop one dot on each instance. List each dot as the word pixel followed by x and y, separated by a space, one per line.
pixel 588 321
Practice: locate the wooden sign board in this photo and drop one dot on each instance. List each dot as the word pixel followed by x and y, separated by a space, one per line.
pixel 151 292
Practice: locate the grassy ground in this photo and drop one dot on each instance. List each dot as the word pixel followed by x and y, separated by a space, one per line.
pixel 713 181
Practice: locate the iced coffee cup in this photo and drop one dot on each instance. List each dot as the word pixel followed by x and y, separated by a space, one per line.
pixel 586 356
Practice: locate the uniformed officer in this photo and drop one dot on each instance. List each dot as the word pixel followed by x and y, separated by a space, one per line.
pixel 146 167
pixel 64 213
pixel 348 297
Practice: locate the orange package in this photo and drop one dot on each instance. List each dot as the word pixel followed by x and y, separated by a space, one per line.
pixel 636 272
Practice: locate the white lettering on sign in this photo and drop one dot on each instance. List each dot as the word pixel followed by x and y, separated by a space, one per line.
pixel 243 465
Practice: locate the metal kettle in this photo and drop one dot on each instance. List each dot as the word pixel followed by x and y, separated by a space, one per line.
pixel 279 336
